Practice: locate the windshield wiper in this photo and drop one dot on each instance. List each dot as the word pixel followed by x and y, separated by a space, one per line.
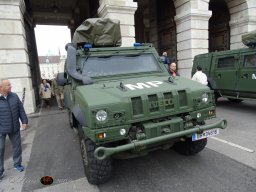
pixel 133 55
pixel 106 56
pixel 85 60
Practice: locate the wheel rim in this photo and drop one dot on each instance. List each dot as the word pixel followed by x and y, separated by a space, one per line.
pixel 84 153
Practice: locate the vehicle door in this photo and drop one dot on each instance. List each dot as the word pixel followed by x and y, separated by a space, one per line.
pixel 225 72
pixel 246 81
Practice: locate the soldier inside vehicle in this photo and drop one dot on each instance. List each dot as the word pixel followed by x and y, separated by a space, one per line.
pixel 250 61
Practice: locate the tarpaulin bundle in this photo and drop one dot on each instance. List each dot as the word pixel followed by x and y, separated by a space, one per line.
pixel 249 39
pixel 99 32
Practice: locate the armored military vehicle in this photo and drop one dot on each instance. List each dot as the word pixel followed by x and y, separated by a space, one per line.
pixel 123 103
pixel 231 74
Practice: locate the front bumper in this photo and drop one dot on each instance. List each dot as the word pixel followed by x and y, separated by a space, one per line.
pixel 104 152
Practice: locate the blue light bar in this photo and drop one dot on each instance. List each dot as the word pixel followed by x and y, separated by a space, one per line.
pixel 137 44
pixel 88 46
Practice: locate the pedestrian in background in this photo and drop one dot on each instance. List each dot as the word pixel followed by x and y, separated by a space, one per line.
pixel 58 92
pixel 45 93
pixel 199 76
pixel 165 59
pixel 11 110
pixel 173 69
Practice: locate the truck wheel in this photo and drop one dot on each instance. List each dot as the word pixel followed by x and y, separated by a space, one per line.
pixel 235 100
pixel 70 119
pixel 96 171
pixel 216 96
pixel 190 147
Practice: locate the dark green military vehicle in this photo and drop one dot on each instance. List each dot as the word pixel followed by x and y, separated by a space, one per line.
pixel 232 73
pixel 123 103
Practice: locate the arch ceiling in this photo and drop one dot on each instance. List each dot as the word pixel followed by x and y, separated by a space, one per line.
pixel 61 12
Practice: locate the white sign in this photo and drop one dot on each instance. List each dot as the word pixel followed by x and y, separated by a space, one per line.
pixel 205 134
pixel 148 84
pixel 253 76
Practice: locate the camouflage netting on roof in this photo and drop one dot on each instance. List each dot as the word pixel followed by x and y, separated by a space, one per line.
pixel 249 39
pixel 98 32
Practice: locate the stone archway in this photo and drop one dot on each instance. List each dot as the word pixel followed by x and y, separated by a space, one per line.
pixel 242 20
pixel 241 16
pixel 167 28
pixel 219 30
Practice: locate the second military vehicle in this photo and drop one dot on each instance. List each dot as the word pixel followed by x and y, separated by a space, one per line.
pixel 231 73
pixel 123 103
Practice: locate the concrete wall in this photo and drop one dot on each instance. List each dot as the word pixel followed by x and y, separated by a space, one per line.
pixel 243 20
pixel 192 32
pixel 14 62
pixel 192 17
pixel 124 11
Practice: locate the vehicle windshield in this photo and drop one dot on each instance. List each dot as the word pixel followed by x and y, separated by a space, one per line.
pixel 118 64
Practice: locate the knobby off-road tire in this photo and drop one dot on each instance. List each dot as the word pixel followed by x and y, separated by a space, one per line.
pixel 96 171
pixel 70 119
pixel 216 96
pixel 235 100
pixel 190 147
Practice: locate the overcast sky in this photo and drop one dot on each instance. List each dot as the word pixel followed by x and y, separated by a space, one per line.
pixel 52 39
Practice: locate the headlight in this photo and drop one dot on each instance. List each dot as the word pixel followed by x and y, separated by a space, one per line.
pixel 205 97
pixel 101 115
pixel 122 131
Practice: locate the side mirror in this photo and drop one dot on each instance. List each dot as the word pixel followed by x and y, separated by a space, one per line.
pixel 62 79
pixel 170 79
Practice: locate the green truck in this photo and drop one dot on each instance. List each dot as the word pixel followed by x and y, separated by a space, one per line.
pixel 232 73
pixel 123 103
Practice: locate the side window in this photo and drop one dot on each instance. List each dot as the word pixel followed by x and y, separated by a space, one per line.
pixel 226 62
pixel 250 60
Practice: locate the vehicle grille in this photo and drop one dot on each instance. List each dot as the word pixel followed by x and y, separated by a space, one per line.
pixel 182 98
pixel 137 107
pixel 168 98
pixel 158 102
pixel 153 103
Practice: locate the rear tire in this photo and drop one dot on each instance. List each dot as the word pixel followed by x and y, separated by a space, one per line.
pixel 96 171
pixel 235 100
pixel 216 96
pixel 190 147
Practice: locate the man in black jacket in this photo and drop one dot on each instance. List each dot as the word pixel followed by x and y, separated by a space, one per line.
pixel 173 69
pixel 11 110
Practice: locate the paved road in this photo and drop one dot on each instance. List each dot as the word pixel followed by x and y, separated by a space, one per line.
pixel 226 165
pixel 240 134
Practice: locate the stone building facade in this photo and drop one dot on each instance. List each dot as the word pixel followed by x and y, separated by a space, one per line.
pixel 183 28
pixel 51 65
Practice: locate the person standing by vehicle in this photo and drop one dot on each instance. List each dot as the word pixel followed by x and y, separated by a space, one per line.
pixel 45 92
pixel 165 59
pixel 173 70
pixel 58 92
pixel 199 76
pixel 11 110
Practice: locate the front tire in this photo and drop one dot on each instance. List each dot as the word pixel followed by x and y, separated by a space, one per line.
pixel 190 147
pixel 96 171
pixel 70 119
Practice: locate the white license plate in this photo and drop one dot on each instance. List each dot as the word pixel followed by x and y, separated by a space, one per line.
pixel 205 134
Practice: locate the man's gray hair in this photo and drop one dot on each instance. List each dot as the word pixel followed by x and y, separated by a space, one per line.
pixel 1 80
